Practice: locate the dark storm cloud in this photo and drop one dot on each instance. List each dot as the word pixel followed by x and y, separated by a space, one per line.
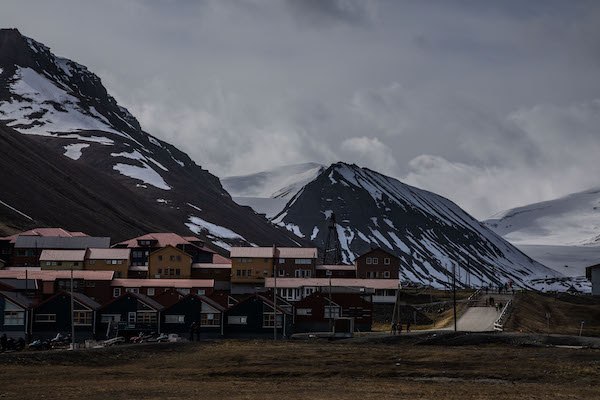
pixel 493 104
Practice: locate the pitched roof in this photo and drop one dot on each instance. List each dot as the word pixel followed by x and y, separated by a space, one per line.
pixel 45 232
pixel 163 239
pixel 62 255
pixel 337 282
pixel 18 299
pixel 296 252
pixel 86 301
pixel 338 267
pixel 108 254
pixel 141 297
pixel 162 249
pixel 55 242
pixel 170 283
pixel 376 249
pixel 251 252
pixel 211 266
pixel 19 284
pixel 50 276
pixel 219 259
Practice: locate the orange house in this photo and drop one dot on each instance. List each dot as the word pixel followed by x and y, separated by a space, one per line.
pixel 169 262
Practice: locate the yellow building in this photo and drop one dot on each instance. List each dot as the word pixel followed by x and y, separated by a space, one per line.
pixel 251 264
pixel 117 260
pixel 169 262
pixel 62 259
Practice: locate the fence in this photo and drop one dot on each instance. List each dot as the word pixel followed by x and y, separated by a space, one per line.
pixel 499 324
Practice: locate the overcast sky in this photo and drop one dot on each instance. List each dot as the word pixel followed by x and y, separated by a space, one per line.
pixel 492 104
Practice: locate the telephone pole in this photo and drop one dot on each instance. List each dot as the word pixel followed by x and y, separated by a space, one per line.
pixel 454 293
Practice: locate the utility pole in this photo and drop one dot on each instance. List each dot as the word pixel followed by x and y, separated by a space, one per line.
pixel 72 314
pixel 329 273
pixel 275 266
pixel 454 293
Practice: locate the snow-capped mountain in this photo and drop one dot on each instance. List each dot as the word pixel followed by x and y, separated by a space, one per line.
pixel 429 232
pixel 268 192
pixel 61 105
pixel 563 233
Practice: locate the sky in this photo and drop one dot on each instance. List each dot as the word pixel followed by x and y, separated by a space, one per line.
pixel 491 104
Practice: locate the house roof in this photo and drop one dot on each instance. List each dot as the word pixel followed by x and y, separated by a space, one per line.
pixel 251 252
pixel 339 267
pixel 169 283
pixel 296 252
pixel 219 259
pixel 19 284
pixel 163 239
pixel 55 242
pixel 108 254
pixel 376 249
pixel 44 232
pixel 78 297
pixel 261 298
pixel 141 297
pixel 337 282
pixel 202 298
pixel 62 255
pixel 18 299
pixel 162 249
pixel 211 266
pixel 50 276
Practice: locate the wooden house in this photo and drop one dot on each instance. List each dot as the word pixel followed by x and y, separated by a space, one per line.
pixel 169 262
pixel 62 259
pixel 155 287
pixel 130 313
pixel 15 314
pixel 335 271
pixel 53 316
pixel 319 311
pixel 194 309
pixel 377 264
pixel 256 316
pixel 116 260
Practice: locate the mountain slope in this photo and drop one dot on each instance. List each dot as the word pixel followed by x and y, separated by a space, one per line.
pixel 429 232
pixel 268 192
pixel 61 105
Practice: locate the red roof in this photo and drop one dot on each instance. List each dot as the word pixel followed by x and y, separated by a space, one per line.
pixel 45 232
pixel 47 275
pixel 336 282
pixel 171 283
pixel 219 259
pixel 164 239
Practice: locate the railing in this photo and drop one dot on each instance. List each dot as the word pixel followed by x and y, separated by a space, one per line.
pixel 499 324
pixel 474 297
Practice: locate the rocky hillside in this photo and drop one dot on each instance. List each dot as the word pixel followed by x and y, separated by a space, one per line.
pixel 62 108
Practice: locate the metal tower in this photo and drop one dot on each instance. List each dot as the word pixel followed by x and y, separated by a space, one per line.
pixel 331 252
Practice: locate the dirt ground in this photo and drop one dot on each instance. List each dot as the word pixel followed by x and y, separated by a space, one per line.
pixel 409 367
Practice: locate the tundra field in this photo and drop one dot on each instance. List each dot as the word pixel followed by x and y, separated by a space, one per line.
pixel 416 366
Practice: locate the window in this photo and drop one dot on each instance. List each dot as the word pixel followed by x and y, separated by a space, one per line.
pixel 237 320
pixel 150 291
pixel 238 272
pixel 371 274
pixel 386 261
pixel 177 271
pixel 331 312
pixel 90 284
pixel 159 258
pixel 369 261
pixel 304 311
pixel 131 318
pixel 106 318
pixel 178 258
pixel 171 258
pixel 305 261
pixel 116 292
pixel 76 264
pixel 302 273
pixel 160 271
pixel 245 260
pixel 92 262
pixel 386 274
pixel 146 317
pixel 249 272
pixel 132 290
pixel 269 320
pixel 184 290
pixel 82 318
pixel 45 318
pixel 14 318
pixel 375 260
pixel 210 319
pixel 282 261
pixel 201 292
pixel 174 319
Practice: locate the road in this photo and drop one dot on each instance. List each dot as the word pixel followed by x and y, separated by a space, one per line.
pixel 481 318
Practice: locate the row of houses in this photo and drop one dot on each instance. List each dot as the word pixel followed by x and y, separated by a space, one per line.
pixel 204 316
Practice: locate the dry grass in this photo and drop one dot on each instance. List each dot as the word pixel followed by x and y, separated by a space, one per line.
pixel 566 314
pixel 299 370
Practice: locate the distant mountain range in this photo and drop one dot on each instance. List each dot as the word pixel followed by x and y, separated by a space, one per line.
pixel 429 232
pixel 83 162
pixel 563 233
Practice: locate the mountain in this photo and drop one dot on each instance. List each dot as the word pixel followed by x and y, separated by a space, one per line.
pixel 268 192
pixel 430 233
pixel 108 168
pixel 563 233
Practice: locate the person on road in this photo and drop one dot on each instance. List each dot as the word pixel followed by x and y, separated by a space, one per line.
pixel 393 328
pixel 408 326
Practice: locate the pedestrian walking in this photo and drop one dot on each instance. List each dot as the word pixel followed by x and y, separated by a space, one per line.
pixel 192 330
pixel 393 328
pixel 408 326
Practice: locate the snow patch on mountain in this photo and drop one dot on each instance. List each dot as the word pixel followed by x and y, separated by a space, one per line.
pixel 143 173
pixel 73 151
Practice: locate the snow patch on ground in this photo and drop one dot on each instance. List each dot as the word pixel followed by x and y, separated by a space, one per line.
pixel 198 225
pixel 73 151
pixel 144 174
pixel 314 233
pixel 194 207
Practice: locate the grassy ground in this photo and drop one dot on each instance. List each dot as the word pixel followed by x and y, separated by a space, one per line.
pixel 566 313
pixel 300 370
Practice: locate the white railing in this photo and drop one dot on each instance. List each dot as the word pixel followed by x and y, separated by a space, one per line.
pixel 504 314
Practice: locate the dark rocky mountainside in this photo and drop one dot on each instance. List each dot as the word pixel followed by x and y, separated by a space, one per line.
pixel 429 232
pixel 83 162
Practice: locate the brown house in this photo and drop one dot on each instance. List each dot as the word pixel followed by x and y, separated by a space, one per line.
pixel 377 264
pixel 62 259
pixel 108 260
pixel 169 262
pixel 296 262
pixel 335 271
pixel 250 265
